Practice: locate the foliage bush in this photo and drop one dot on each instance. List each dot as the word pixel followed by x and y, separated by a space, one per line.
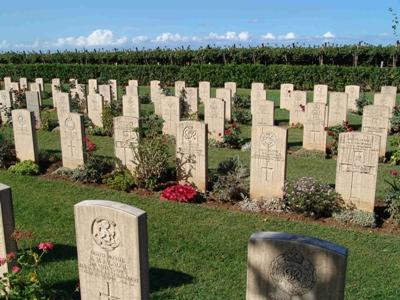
pixel 395 120
pixel 392 199
pixel 241 102
pixel 356 217
pixel 150 126
pixel 7 151
pixel 144 99
pixel 303 77
pixel 333 133
pixel 242 116
pixel 110 111
pixel 26 167
pixel 311 197
pixel 232 137
pixel 232 181
pixel 93 171
pixel 179 193
pixel 395 143
pixel 47 120
pixel 361 102
pixel 120 180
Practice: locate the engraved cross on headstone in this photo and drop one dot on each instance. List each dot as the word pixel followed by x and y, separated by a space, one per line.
pixel 108 295
pixel 267 172
pixel 72 147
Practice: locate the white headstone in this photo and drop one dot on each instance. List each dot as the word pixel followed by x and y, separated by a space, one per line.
pixel 321 93
pixel 63 104
pixel 133 82
pixel 55 89
pixel 179 87
pixel 125 139
pixel 130 106
pixel 7 83
pixel 214 117
pixel 232 86
pixel 264 114
pixel 314 133
pixel 353 93
pixel 40 82
pixel 23 83
pixel 385 99
pixel 33 104
pixel 92 86
pixel 114 89
pixel 132 90
pixel 298 108
pixel 105 91
pixel 226 95
pixel 257 86
pixel 95 109
pixel 337 109
pixel 5 105
pixel 191 100
pixel 256 97
pixel 204 90
pixel 170 112
pixel 286 95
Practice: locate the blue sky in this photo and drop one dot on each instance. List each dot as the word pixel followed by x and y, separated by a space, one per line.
pixel 35 25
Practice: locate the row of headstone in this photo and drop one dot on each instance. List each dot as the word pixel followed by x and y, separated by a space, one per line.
pixel 113 263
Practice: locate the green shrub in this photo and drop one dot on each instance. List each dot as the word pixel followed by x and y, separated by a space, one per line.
pixel 333 133
pixel 232 138
pixel 311 197
pixel 395 143
pixel 242 116
pixel 48 121
pixel 144 99
pixel 150 126
pixel 26 167
pixel 93 170
pixel 361 102
pixel 241 102
pixel 120 180
pixel 110 111
pixel 395 120
pixel 7 151
pixel 392 199
pixel 231 181
pixel 356 217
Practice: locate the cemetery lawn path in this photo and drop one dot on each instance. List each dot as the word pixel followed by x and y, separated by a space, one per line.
pixel 195 252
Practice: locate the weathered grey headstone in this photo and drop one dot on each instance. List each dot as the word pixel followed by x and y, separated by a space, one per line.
pixel 257 97
pixel 126 138
pixel 257 86
pixel 191 100
pixel 55 90
pixel 23 83
pixel 321 93
pixel 7 225
pixel 35 87
pixel 214 117
pixel 314 133
pixel 132 90
pixel 5 105
pixel 114 89
pixel 130 106
pixel 95 104
pixel 357 168
pixel 376 120
pixel 111 240
pixel 33 104
pixel 268 162
pixel 337 109
pixel 264 114
pixel 155 90
pixel 286 95
pixel 72 131
pixel 297 108
pixel 232 86
pixel 171 113
pixel 7 83
pixel 92 86
pixel 25 139
pixel 179 87
pixel 40 82
pixel 134 82
pixel 63 104
pixel 385 99
pixel 353 94
pixel 204 90
pixel 283 266
pixel 226 95
pixel 105 91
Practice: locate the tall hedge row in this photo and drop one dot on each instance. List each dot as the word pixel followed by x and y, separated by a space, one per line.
pixel 304 77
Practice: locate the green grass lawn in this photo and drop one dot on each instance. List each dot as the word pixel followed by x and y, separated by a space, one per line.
pixel 195 252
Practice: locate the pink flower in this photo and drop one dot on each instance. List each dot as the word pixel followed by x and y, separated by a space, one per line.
pixel 46 246
pixel 10 256
pixel 15 269
pixel 3 261
pixel 393 172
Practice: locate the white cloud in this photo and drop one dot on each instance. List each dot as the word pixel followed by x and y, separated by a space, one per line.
pixel 170 37
pixel 4 44
pixel 35 44
pixel 268 36
pixel 288 36
pixel 328 35
pixel 229 36
pixel 139 39
pixel 99 37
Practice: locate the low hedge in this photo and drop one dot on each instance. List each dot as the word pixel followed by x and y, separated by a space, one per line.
pixel 303 77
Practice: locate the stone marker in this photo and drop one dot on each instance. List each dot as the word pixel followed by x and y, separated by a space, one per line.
pixel 125 139
pixel 7 83
pixel 286 95
pixel 214 117
pixel 35 87
pixel 376 120
pixel 264 114
pixel 285 266
pixel 268 162
pixel 171 113
pixel 74 82
pixel 55 90
pixel 5 105
pixel 95 104
pixel 133 82
pixel 321 93
pixel 25 139
pixel 63 104
pixel 179 87
pixel 388 100
pixel 132 90
pixel 33 104
pixel 40 82
pixel 78 92
pixel 297 108
pixel 226 95
pixel 232 86
pixel 111 240
pixel 191 100
pixel 353 94
pixel 191 153
pixel 92 86
pixel 114 89
pixel 155 90
pixel 14 87
pixel 357 168
pixel 256 97
pixel 23 83
pixel 314 133
pixel 204 90
pixel 105 91
pixel 337 109
pixel 392 90
pixel 257 86
pixel 130 106
pixel 72 132
pixel 7 225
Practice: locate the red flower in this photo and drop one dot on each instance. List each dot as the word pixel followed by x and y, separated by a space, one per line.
pixel 10 256
pixel 326 129
pixel 179 193
pixel 393 172
pixel 46 246
pixel 15 269
pixel 90 146
pixel 3 261
pixel 303 107
pixel 330 133
pixel 228 131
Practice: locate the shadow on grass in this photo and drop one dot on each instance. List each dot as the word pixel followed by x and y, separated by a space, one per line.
pixel 163 279
pixel 61 253
pixel 66 290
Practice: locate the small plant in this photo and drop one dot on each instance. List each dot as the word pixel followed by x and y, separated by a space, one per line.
pixel 24 280
pixel 151 126
pixel 184 106
pixel 232 137
pixel 26 167
pixel 361 102
pixel 241 102
pixel 333 133
pixel 165 89
pixel 48 122
pixel 179 193
pixel 93 171
pixel 395 120
pixel 395 142
pixel 232 181
pixel 242 116
pixel 7 151
pixel 392 199
pixel 145 99
pixel 356 217
pixel 19 99
pixel 120 180
pixel 309 196
pixel 110 111
pixel 90 146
